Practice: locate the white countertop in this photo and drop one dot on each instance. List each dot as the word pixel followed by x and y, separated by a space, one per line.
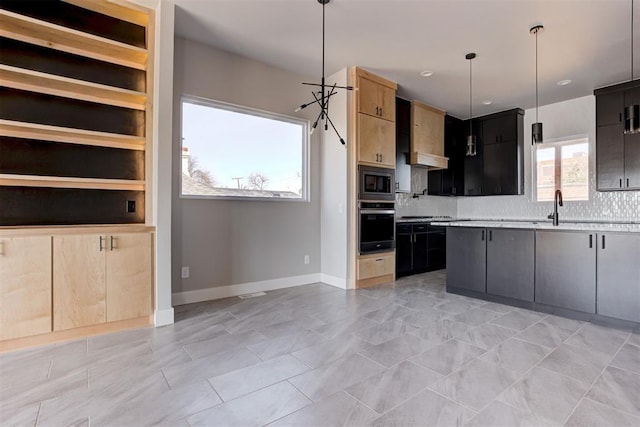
pixel 546 225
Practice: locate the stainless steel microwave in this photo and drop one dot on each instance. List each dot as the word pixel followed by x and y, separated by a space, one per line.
pixel 376 183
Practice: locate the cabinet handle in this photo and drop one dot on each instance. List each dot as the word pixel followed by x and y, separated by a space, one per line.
pixel 619 117
pixel 379 259
pixel 620 182
pixel 110 243
pixel 590 240
pixel 377 111
pixel 490 235
pixel 482 235
pixel 1 248
pixel 101 247
pixel 381 111
pixel 397 185
pixel 381 162
pixel 627 182
pixel 603 241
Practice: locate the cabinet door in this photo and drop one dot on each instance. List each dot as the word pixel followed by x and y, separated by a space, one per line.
pixel 610 156
pixel 466 258
pixel 376 141
pixel 403 253
pixel 632 161
pixel 511 263
pixel 25 286
pixel 619 276
pixel 78 281
pixel 420 252
pixel 609 108
pixel 376 265
pixel 387 103
pixel 437 244
pixel 368 97
pixel 128 276
pixel 500 168
pixel 566 270
pixel 427 129
pixel 403 136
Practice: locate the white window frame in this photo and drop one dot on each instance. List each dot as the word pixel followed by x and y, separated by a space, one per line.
pixel 554 143
pixel 305 161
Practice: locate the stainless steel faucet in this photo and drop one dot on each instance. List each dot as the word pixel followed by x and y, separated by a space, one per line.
pixel 557 200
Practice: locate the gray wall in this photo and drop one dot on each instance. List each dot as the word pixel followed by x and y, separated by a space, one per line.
pixel 334 206
pixel 234 242
pixel 563 119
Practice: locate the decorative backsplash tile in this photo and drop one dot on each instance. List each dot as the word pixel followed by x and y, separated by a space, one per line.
pixel 601 206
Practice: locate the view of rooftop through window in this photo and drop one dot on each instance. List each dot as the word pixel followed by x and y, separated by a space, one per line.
pixel 564 166
pixel 231 151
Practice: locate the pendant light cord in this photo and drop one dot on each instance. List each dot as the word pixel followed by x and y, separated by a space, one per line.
pixel 632 1
pixel 470 99
pixel 323 100
pixel 537 75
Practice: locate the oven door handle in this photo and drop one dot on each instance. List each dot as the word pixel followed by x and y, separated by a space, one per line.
pixel 377 211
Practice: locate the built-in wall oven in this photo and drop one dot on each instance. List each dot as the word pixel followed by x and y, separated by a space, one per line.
pixel 377 228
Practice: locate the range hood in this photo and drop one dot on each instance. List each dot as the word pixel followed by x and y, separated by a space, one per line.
pixel 427 137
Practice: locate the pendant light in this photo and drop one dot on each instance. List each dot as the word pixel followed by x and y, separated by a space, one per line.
pixel 536 128
pixel 471 138
pixel 632 112
pixel 322 96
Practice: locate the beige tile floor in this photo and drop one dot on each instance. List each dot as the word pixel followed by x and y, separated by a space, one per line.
pixel 401 354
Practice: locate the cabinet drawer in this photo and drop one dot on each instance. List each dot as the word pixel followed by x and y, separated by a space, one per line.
pixel 376 265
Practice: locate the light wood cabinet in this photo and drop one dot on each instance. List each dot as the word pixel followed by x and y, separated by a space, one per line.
pixel 376 141
pixel 25 286
pixel 374 269
pixel 375 97
pixel 375 115
pixel 101 278
pixel 427 129
pixel 79 280
pixel 129 269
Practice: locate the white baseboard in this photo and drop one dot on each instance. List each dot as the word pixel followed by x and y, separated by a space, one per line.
pixel 163 317
pixel 333 281
pixel 208 294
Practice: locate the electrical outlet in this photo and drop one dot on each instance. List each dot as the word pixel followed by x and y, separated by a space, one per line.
pixel 185 272
pixel 306 259
pixel 131 206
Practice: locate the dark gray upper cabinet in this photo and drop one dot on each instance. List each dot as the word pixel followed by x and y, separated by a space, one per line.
pixel 617 154
pixel 566 270
pixel 403 142
pixel 498 167
pixel 511 263
pixel 450 181
pixel 619 276
pixel 466 258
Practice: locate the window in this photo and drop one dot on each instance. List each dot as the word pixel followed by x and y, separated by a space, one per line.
pixel 564 166
pixel 240 153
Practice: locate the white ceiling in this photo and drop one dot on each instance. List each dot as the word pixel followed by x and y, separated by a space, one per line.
pixel 587 41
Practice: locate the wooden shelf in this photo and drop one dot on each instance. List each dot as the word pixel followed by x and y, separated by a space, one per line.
pixel 70 136
pixel 112 8
pixel 45 34
pixel 13 180
pixel 35 81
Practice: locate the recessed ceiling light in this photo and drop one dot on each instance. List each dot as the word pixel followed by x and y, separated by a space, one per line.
pixel 426 73
pixel 563 82
pixel 487 102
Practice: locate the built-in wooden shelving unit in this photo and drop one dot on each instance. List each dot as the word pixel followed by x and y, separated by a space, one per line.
pixel 76 82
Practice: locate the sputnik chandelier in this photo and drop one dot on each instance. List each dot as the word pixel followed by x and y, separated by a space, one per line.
pixel 322 96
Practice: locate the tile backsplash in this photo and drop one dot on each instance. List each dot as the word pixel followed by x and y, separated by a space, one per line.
pixel 406 204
